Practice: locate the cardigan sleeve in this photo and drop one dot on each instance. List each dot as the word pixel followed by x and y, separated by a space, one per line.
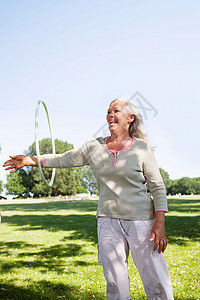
pixel 154 180
pixel 72 158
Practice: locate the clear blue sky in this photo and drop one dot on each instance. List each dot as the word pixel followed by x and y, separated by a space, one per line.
pixel 77 56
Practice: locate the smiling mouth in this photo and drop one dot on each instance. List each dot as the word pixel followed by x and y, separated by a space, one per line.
pixel 112 122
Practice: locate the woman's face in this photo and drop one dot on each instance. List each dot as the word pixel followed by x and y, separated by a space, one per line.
pixel 118 117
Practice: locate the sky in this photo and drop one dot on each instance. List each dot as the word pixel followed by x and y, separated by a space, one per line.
pixel 77 56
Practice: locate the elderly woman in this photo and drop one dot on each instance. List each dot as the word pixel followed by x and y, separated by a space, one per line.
pixel 128 218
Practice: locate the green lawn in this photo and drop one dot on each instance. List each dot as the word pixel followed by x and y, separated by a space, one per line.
pixel 48 250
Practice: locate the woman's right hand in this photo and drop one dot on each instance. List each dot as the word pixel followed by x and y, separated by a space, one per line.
pixel 17 162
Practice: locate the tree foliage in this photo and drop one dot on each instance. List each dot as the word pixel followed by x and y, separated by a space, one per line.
pixel 165 177
pixel 88 181
pixel 14 185
pixel 1 186
pixel 184 185
pixel 1 182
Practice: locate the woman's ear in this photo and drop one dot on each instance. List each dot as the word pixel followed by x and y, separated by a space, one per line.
pixel 131 118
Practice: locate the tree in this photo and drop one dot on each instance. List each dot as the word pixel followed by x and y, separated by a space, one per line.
pixel 89 181
pixel 14 185
pixel 1 186
pixel 174 187
pixel 1 182
pixel 196 185
pixel 67 180
pixel 165 177
pixel 185 186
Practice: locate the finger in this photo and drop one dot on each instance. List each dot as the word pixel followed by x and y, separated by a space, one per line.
pixel 9 168
pixel 160 246
pixel 152 237
pixel 164 245
pixel 13 156
pixel 156 243
pixel 7 163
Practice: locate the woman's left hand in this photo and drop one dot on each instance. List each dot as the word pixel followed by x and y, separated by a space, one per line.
pixel 158 233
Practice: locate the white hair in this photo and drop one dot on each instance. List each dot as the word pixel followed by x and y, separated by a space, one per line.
pixel 136 127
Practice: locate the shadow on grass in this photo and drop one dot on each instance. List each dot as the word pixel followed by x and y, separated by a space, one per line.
pixel 56 251
pixel 5 247
pixel 184 206
pixel 184 226
pixel 79 206
pixel 81 226
pixel 180 230
pixel 46 258
pixel 185 298
pixel 46 290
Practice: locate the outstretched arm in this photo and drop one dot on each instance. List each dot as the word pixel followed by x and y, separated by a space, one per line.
pixel 72 158
pixel 17 162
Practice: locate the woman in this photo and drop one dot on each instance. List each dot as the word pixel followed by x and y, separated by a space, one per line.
pixel 128 219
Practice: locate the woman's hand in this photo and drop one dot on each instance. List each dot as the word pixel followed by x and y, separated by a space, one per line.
pixel 17 162
pixel 158 232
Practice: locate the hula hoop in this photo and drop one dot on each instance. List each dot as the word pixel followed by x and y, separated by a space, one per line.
pixel 37 142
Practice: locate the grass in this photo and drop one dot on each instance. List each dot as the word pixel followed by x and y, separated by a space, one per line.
pixel 48 251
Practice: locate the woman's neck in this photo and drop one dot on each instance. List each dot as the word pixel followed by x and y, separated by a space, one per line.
pixel 119 142
pixel 120 137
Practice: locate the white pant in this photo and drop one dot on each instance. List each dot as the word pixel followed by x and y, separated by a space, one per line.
pixel 116 237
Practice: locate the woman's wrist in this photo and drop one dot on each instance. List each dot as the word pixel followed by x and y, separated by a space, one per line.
pixel 31 161
pixel 160 216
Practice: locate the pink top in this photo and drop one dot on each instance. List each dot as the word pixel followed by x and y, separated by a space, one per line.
pixel 114 152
